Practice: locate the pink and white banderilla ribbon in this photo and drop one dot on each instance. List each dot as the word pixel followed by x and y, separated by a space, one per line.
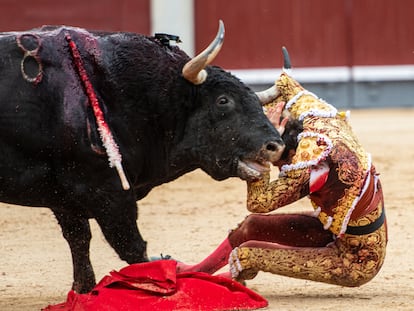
pixel 112 149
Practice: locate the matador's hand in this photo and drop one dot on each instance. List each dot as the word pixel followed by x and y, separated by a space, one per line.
pixel 275 115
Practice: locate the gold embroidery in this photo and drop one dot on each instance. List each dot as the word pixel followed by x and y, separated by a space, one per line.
pixel 351 261
pixel 263 197
pixel 320 120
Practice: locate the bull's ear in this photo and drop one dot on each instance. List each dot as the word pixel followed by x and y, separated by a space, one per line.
pixel 193 70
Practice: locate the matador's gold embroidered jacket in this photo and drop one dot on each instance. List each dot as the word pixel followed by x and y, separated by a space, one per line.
pixel 330 165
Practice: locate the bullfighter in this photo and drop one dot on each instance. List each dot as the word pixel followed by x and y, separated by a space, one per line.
pixel 343 240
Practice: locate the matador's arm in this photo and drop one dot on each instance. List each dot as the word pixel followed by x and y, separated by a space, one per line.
pixel 264 196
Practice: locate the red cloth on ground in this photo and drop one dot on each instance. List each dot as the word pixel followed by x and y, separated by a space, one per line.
pixel 156 286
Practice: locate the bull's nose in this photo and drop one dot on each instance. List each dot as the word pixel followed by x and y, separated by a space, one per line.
pixel 273 150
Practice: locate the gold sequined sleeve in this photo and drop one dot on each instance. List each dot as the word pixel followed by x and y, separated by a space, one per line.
pixel 264 196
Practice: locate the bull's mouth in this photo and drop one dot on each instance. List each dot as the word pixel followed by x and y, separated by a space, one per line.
pixel 252 170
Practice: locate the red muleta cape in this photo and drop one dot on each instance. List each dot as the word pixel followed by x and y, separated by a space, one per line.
pixel 156 286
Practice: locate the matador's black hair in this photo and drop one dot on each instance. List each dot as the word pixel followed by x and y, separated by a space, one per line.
pixel 290 136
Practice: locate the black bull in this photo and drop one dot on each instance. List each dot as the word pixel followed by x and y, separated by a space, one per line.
pixel 165 120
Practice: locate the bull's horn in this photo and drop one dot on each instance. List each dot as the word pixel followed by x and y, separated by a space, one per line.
pixel 268 95
pixel 193 70
pixel 286 59
pixel 271 93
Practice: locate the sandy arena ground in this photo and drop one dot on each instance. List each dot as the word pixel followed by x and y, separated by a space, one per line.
pixel 187 218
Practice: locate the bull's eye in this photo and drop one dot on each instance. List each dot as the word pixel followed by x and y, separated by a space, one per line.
pixel 225 102
pixel 222 100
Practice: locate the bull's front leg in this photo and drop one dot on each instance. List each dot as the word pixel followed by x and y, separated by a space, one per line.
pixel 76 231
pixel 117 217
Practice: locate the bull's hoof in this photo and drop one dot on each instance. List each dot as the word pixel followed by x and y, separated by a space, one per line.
pixel 161 257
pixel 84 287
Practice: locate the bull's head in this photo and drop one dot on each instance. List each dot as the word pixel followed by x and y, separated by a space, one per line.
pixel 187 113
pixel 230 125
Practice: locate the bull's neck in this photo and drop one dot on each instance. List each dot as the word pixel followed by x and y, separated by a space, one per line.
pixel 148 103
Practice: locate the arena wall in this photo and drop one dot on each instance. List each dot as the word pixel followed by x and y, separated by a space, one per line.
pixel 355 53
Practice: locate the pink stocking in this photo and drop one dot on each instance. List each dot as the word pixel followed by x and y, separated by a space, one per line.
pixel 218 259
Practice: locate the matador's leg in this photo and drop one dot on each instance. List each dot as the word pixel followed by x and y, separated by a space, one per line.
pixel 349 261
pixel 287 229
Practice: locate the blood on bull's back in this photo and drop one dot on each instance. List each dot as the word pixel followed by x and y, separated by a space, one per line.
pixel 36 89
